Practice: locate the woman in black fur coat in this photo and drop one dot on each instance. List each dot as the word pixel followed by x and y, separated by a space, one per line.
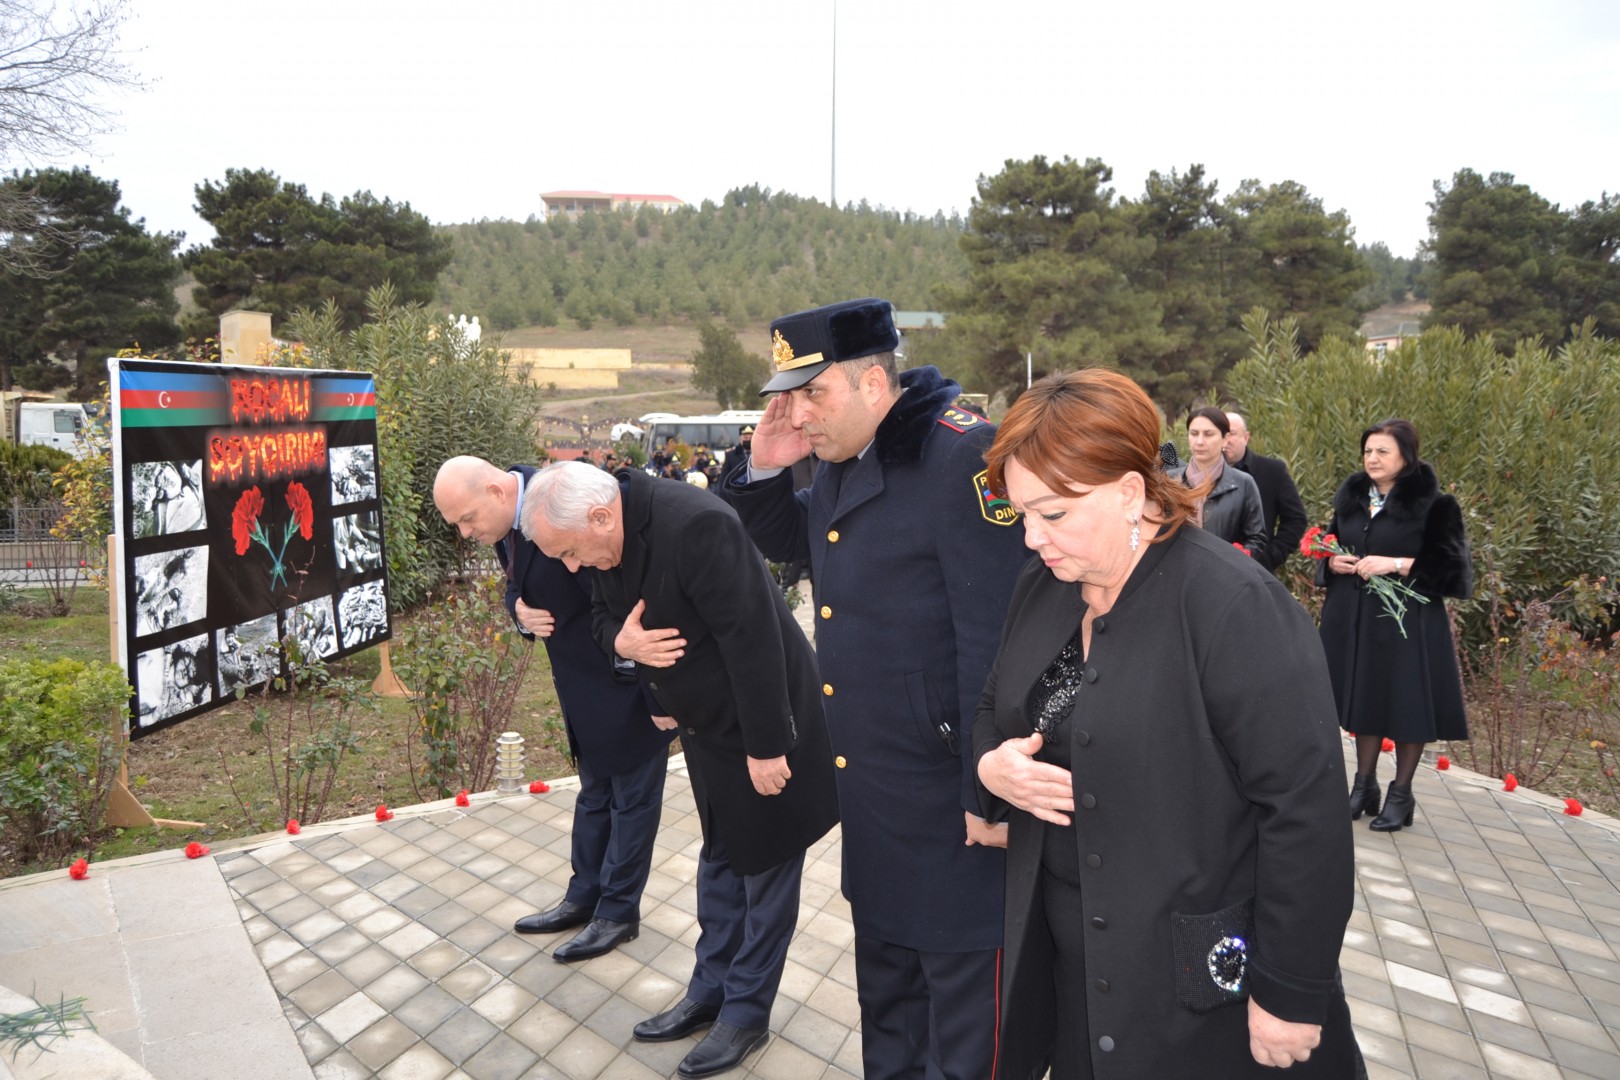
pixel 1395 520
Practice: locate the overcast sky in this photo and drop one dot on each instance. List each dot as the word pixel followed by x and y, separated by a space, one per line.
pixel 470 109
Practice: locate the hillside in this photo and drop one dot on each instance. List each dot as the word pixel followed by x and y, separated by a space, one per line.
pixel 745 260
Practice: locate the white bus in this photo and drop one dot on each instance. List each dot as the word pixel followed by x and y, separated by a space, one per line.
pixel 719 432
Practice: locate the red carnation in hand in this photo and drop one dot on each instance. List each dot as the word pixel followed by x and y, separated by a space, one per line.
pixel 1573 807
pixel 195 850
pixel 1442 763
pixel 383 813
pixel 1389 744
pixel 1308 542
pixel 303 509
pixel 1509 782
pixel 539 787
pixel 79 870
pixel 293 826
pixel 462 798
pixel 1330 539
pixel 245 518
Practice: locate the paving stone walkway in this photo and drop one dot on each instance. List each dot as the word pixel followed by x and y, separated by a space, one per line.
pixel 1485 943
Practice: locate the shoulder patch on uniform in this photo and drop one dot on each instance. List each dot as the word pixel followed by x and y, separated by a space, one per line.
pixel 996 510
pixel 960 419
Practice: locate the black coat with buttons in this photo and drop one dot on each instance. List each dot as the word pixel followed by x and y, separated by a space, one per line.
pixel 746 685
pixel 1209 784
pixel 913 561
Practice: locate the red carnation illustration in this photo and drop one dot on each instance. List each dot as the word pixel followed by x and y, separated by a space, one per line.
pixel 79 870
pixel 303 509
pixel 247 529
pixel 245 518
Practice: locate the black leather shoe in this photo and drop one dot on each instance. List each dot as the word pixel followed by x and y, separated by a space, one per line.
pixel 565 916
pixel 1364 796
pixel 598 937
pixel 1398 809
pixel 677 1023
pixel 722 1048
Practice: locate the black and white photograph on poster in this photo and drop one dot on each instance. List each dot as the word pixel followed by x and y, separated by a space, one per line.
pixel 173 679
pixel 167 497
pixel 249 654
pixel 171 589
pixel 363 613
pixel 357 542
pixel 354 474
pixel 310 625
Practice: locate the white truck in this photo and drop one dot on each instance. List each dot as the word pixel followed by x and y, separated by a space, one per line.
pixel 57 424
pixel 719 431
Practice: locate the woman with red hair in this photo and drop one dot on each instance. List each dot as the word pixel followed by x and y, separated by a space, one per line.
pixel 1158 732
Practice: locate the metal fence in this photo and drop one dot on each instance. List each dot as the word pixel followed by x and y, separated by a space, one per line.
pixel 29 554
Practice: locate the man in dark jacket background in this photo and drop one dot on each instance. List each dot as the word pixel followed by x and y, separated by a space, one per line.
pixel 913 559
pixel 1280 504
pixel 680 590
pixel 621 755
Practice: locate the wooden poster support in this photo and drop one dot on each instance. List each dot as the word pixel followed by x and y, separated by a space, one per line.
pixel 387 684
pixel 124 810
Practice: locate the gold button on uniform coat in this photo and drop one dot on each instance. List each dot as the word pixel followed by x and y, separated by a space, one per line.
pixel 826 612
pixel 826 688
pixel 832 536
pixel 839 761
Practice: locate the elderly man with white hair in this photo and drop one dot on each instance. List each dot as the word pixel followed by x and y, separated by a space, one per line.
pixel 681 592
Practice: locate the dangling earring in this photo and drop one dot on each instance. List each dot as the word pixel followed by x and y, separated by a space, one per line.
pixel 1136 533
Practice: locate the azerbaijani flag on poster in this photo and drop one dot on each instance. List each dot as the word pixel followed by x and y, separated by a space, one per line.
pixel 173 399
pixel 345 399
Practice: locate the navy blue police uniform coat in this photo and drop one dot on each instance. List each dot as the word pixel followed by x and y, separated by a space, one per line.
pixel 746 684
pixel 913 563
pixel 609 722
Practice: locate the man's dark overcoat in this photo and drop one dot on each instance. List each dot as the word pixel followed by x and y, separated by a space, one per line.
pixel 913 560
pixel 1281 507
pixel 1208 772
pixel 1404 688
pixel 746 685
pixel 609 722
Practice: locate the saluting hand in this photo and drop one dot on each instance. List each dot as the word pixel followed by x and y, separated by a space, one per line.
pixel 654 648
pixel 777 443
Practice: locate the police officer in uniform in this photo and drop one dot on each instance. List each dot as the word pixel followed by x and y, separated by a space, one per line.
pixel 913 560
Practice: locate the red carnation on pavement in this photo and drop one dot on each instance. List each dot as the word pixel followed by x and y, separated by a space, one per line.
pixel 1442 763
pixel 293 826
pixel 303 509
pixel 195 850
pixel 79 870
pixel 383 813
pixel 462 798
pixel 1509 782
pixel 1573 807
pixel 1389 744
pixel 245 518
pixel 539 787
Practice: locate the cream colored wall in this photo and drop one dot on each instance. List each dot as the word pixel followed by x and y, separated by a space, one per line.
pixel 577 359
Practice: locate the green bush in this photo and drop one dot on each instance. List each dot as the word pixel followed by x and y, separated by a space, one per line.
pixel 437 396
pixel 61 744
pixel 465 662
pixel 1522 441
pixel 26 471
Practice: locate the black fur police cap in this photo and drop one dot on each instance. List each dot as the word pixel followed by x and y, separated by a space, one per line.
pixel 805 343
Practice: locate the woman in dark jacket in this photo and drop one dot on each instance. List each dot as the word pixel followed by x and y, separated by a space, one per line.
pixel 1156 732
pixel 1231 509
pixel 1405 687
